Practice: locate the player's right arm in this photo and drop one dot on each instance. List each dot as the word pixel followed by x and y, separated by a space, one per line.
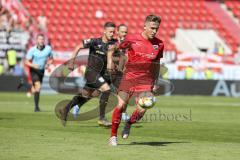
pixel 110 64
pixel 74 55
pixel 122 61
pixel 126 44
pixel 29 58
pixel 157 67
pixel 84 44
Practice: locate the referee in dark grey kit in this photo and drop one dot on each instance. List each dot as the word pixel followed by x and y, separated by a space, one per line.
pixel 38 58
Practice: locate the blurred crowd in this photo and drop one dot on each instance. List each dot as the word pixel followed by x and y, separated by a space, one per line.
pixel 17 26
pixel 13 17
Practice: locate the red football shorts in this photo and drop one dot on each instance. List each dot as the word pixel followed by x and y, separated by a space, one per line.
pixel 135 84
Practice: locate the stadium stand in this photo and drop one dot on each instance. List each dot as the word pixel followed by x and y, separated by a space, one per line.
pixel 15 33
pixel 72 20
pixel 234 6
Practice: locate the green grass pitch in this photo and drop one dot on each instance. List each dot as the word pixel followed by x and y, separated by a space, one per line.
pixel 177 128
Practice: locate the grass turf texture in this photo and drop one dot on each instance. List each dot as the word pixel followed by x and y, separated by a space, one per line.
pixel 212 131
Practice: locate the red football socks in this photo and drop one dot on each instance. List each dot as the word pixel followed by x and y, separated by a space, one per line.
pixel 136 116
pixel 116 119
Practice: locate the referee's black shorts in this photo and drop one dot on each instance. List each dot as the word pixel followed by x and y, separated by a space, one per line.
pixel 36 75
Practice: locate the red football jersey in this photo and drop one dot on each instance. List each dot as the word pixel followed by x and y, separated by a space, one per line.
pixel 141 54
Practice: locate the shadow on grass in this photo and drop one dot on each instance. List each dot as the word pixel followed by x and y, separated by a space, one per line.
pixel 105 127
pixel 136 126
pixel 153 143
pixel 6 118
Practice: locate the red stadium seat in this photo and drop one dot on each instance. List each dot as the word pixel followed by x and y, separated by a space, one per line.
pixel 77 17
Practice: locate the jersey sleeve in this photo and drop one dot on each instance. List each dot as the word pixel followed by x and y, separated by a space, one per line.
pixel 160 53
pixel 30 54
pixel 87 43
pixel 50 53
pixel 127 42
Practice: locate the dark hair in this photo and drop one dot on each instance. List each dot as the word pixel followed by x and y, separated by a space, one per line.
pixel 153 18
pixel 109 24
pixel 121 25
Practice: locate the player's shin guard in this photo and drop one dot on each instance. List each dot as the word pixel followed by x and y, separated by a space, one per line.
pixel 116 119
pixel 103 103
pixel 136 116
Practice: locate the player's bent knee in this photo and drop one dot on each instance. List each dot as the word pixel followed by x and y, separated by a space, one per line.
pixel 37 86
pixel 105 95
pixel 95 93
pixel 37 89
pixel 104 87
pixel 120 106
pixel 142 110
pixel 121 103
pixel 125 106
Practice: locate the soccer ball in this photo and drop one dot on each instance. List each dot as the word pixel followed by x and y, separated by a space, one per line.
pixel 146 100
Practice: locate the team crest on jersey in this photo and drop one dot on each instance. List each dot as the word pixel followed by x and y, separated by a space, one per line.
pixel 86 41
pixel 155 47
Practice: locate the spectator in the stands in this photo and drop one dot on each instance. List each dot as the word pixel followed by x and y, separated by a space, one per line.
pixel 12 59
pixel 6 20
pixel 3 17
pixel 42 22
pixel 1 68
pixel 2 9
pixel 29 23
pixel 17 26
pixel 18 69
pixel 218 48
pixel 189 71
pixel 209 74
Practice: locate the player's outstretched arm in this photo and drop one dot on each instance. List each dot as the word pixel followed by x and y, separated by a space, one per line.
pixel 74 55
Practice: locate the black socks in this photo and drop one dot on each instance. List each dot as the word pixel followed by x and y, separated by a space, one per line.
pixel 103 103
pixel 36 101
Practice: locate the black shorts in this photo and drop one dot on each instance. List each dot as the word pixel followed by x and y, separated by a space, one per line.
pixel 94 79
pixel 36 75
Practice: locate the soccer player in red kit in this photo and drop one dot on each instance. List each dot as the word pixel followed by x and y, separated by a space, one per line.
pixel 141 71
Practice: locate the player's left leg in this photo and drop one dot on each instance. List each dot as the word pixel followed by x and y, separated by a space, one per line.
pixel 37 77
pixel 116 80
pixel 123 98
pixel 85 95
pixel 105 89
pixel 138 113
pixel 102 109
pixel 37 87
pixel 136 116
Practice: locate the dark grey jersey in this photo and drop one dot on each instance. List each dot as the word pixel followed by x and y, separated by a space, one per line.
pixel 97 59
